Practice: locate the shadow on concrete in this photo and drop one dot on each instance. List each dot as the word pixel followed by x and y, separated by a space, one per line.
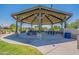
pixel 56 39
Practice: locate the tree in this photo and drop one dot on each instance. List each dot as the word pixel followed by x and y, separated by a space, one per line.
pixel 72 25
pixel 56 28
pixel 13 27
pixel 36 28
pixel 44 28
pixel 77 23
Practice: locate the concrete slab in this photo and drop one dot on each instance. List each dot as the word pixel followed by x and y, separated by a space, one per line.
pixel 64 47
pixel 68 48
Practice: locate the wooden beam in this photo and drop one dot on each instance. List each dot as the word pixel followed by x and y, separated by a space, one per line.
pixel 26 17
pixel 56 17
pixel 19 13
pixel 49 19
pixel 34 18
pixel 53 11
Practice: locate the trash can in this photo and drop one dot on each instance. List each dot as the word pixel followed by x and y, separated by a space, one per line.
pixel 67 35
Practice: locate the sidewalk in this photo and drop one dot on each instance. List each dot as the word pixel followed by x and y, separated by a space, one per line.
pixel 68 48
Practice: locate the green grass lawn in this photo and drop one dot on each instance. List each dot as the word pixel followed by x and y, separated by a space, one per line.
pixel 14 49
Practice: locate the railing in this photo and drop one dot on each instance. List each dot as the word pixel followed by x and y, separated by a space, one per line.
pixel 31 32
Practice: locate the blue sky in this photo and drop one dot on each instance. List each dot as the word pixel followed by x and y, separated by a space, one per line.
pixel 7 9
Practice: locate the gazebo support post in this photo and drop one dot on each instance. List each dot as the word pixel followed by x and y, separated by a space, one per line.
pixel 62 29
pixel 40 23
pixel 20 26
pixel 65 25
pixel 52 29
pixel 31 25
pixel 16 27
pixel 61 25
pixel 51 26
pixel 39 17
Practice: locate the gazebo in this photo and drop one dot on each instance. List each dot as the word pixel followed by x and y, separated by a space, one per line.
pixel 41 15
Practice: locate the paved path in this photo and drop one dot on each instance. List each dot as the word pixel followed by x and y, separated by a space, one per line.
pixel 66 48
pixel 69 48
